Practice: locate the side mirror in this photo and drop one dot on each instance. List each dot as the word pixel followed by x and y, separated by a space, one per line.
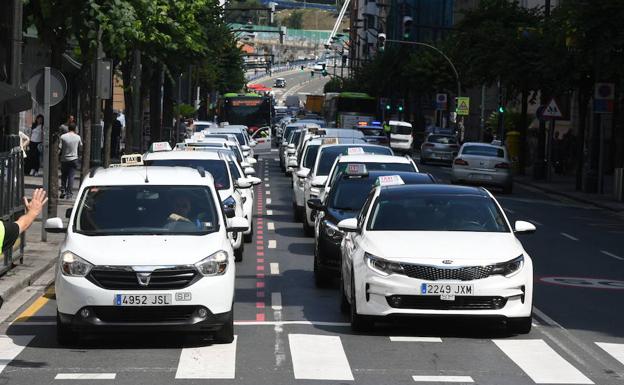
pixel 230 212
pixel 245 147
pixel 249 171
pixel 523 227
pixel 68 213
pixel 54 225
pixel 291 146
pixel 242 183
pixel 251 161
pixel 303 173
pixel 316 204
pixel 348 225
pixel 254 180
pixel 236 224
pixel 252 143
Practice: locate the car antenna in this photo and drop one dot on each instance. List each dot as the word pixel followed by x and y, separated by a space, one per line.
pixel 146 179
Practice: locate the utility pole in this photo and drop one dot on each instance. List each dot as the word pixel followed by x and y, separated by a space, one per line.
pixel 16 59
pixel 539 167
pixel 137 131
pixel 96 127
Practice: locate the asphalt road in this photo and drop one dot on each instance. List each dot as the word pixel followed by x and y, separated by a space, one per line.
pixel 297 83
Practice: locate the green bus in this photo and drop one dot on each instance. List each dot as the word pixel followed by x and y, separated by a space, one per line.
pixel 347 109
pixel 251 110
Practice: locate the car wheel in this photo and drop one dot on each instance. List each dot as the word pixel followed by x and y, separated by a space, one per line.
pixel 247 238
pixel 359 323
pixel 238 253
pixel 520 325
pixel 307 229
pixel 508 189
pixel 64 334
pixel 225 335
pixel 321 276
pixel 296 212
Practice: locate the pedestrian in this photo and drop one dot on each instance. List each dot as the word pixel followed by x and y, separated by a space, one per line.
pixel 115 136
pixel 69 144
pixel 387 129
pixel 10 231
pixel 35 146
pixel 24 141
pixel 64 128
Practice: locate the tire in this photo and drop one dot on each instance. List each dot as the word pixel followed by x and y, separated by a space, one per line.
pixel 296 212
pixel 225 335
pixel 508 189
pixel 238 253
pixel 519 325
pixel 65 336
pixel 307 229
pixel 359 323
pixel 322 278
pixel 247 238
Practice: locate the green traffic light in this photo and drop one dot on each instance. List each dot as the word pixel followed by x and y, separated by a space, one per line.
pixel 501 109
pixel 388 107
pixel 400 108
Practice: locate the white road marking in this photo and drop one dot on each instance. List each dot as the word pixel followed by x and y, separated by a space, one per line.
pixel 462 379
pixel 269 212
pixel 10 347
pixel 268 201
pixel 266 179
pixel 615 350
pixel 541 362
pixel 317 357
pixel 276 301
pixel 274 268
pixel 213 361
pixel 267 185
pixel 611 255
pixel 284 323
pixel 270 226
pixel 85 376
pixel 274 150
pixel 272 244
pixel 569 236
pixel 276 159
pixel 267 192
pixel 415 339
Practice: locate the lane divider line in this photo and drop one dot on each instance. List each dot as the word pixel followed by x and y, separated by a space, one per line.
pixel 570 237
pixel 274 266
pixel 272 244
pixel 608 254
pixel 85 376
pixel 462 379
pixel 276 300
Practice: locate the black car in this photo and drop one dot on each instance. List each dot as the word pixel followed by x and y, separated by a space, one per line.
pixel 345 199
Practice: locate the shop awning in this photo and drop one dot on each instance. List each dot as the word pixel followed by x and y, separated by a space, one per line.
pixel 13 100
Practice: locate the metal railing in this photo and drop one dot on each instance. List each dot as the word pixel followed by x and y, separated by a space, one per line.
pixel 11 201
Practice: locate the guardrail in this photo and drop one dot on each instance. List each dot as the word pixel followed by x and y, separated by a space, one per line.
pixel 11 201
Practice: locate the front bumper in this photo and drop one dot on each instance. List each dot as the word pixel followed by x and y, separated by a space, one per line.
pixel 495 296
pixel 487 178
pixel 329 254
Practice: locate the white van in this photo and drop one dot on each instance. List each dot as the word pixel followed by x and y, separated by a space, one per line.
pixel 401 136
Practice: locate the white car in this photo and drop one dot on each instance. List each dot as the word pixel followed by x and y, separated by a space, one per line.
pixel 401 138
pixel 146 250
pixel 435 250
pixel 327 154
pixel 308 158
pixel 483 164
pixel 241 135
pixel 228 187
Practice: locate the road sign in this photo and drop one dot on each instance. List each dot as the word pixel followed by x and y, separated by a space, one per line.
pixel 58 86
pixel 463 105
pixel 552 110
pixel 603 98
pixel 441 102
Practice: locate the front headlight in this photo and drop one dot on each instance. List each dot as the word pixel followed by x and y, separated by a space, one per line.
pixel 74 266
pixel 216 264
pixel 382 266
pixel 332 231
pixel 229 202
pixel 509 268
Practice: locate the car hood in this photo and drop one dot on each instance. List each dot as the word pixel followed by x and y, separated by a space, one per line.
pixel 462 248
pixel 319 180
pixel 136 250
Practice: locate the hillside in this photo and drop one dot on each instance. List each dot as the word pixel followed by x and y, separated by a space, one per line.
pixel 315 19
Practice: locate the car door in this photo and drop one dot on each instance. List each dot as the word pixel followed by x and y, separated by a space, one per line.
pixel 262 137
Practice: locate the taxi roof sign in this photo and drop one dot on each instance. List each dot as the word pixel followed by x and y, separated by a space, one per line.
pixel 330 140
pixel 313 130
pixel 355 151
pixel 129 161
pixel 356 169
pixel 389 180
pixel 160 146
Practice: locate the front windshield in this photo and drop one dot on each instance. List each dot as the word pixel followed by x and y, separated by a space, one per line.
pixel 234 170
pixel 401 130
pixel 373 166
pixel 215 167
pixel 240 137
pixel 329 155
pixel 310 156
pixel 237 153
pixel 395 211
pixel 294 138
pixel 350 194
pixel 140 210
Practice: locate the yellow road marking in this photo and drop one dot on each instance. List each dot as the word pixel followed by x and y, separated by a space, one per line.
pixel 36 306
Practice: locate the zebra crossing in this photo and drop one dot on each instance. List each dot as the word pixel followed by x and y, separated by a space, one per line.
pixel 334 357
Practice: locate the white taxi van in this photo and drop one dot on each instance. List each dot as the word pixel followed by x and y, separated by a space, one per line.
pixel 435 250
pixel 146 250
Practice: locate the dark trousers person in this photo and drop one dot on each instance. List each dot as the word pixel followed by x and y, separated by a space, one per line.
pixel 68 170
pixel 32 160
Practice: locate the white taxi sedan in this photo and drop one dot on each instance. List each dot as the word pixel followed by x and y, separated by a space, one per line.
pixel 435 250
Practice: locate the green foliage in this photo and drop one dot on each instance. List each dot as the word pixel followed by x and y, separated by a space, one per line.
pixel 295 20
pixel 186 110
pixel 334 85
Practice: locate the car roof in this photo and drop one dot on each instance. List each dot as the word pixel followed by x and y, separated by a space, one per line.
pixel 373 158
pixel 437 189
pixel 399 123
pixel 363 144
pixel 148 175
pixel 208 155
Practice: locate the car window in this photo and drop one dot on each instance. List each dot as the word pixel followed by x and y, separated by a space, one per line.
pixel 483 151
pixel 442 139
pixel 401 130
pixel 349 193
pixel 329 154
pixel 234 170
pixel 372 166
pixel 217 168
pixel 140 210
pixel 394 211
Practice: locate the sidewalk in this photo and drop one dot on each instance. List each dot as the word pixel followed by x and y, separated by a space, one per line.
pixel 566 186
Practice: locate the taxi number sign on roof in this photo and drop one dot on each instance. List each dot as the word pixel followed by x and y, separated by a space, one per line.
pixel 389 180
pixel 356 169
pixel 330 141
pixel 161 146
pixel 355 151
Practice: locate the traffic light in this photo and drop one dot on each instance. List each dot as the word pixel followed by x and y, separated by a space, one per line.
pixel 388 107
pixel 501 109
pixel 400 108
pixel 407 27
pixel 381 41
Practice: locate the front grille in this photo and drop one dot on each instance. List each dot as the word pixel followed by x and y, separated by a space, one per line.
pixel 425 302
pixel 160 279
pixel 432 273
pixel 144 314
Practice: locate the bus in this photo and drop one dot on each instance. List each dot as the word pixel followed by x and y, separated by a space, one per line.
pixel 251 110
pixel 348 109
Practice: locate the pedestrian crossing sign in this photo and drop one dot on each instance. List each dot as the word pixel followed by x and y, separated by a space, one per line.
pixel 552 110
pixel 463 105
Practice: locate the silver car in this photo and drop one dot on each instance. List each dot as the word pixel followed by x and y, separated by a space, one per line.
pixel 483 164
pixel 438 148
